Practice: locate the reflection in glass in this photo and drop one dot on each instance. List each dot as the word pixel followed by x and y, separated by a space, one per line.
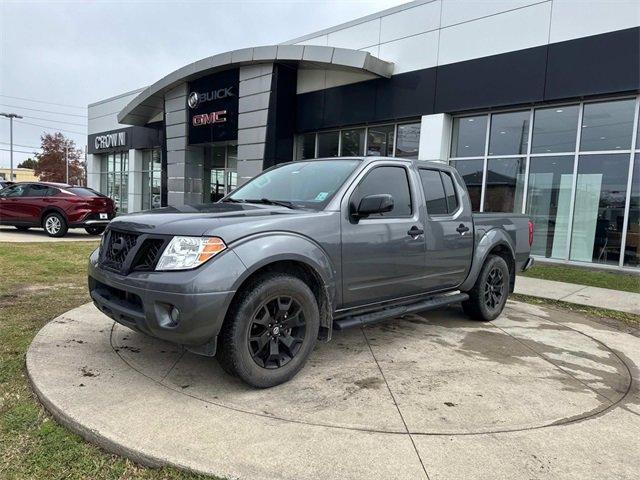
pixel 599 208
pixel 380 140
pixel 408 140
pixel 328 144
pixel 117 178
pixel 632 247
pixel 607 125
pixel 548 204
pixel 471 172
pixel 151 179
pixel 352 142
pixel 505 185
pixel 509 133
pixel 306 146
pixel 555 129
pixel 469 136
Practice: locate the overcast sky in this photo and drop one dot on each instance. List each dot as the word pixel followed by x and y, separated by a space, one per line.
pixel 77 52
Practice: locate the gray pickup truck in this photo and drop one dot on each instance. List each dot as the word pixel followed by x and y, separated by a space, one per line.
pixel 303 249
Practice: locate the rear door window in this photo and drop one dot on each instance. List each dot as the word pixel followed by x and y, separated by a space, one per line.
pixel 36 190
pixel 433 192
pixel 450 192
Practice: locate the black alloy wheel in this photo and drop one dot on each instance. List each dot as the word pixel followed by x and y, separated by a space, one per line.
pixel 276 332
pixel 494 288
pixel 488 295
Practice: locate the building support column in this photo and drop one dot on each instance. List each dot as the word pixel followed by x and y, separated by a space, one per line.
pixel 184 163
pixel 94 171
pixel 253 110
pixel 435 137
pixel 134 184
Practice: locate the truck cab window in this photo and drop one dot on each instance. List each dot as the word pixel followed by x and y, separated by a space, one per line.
pixel 433 192
pixel 389 180
pixel 450 192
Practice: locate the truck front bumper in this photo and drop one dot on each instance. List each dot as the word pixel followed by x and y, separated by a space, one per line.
pixel 181 312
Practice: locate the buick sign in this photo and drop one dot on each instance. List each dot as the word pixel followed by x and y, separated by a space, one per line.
pixel 194 99
pixel 111 140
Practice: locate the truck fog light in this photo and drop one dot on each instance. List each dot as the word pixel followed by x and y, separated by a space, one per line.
pixel 175 314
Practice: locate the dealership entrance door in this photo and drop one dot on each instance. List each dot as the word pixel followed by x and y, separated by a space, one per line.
pixel 220 171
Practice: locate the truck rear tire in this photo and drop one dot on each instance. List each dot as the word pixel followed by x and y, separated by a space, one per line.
pixel 270 331
pixel 488 296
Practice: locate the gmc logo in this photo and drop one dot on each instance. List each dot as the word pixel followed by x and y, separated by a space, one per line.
pixel 196 98
pixel 209 118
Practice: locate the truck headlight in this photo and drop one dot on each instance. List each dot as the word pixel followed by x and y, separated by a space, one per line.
pixel 185 253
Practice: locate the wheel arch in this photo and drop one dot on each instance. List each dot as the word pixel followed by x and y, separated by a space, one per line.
pixel 294 255
pixel 493 242
pixel 52 209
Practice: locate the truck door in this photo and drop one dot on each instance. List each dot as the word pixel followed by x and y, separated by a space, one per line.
pixel 383 254
pixel 449 230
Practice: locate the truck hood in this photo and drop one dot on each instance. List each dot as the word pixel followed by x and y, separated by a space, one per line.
pixel 234 219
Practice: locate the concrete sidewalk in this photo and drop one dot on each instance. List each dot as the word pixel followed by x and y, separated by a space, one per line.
pixel 580 294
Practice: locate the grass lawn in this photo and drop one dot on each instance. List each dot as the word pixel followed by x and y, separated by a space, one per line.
pixel 40 281
pixel 582 276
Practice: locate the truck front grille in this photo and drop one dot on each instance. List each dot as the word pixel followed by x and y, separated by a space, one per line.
pixel 124 252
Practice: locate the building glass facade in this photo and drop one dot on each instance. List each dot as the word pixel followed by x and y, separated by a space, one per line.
pixel 114 178
pixel 400 140
pixel 572 167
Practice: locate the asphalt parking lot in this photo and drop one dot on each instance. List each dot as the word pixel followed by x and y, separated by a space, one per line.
pixel 10 234
pixel 538 393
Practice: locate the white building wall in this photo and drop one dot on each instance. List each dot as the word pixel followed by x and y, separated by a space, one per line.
pixel 426 33
pixel 103 115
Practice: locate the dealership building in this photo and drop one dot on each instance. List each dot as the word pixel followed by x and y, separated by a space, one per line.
pixel 534 102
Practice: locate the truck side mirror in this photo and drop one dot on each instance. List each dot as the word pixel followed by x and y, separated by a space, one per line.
pixel 372 204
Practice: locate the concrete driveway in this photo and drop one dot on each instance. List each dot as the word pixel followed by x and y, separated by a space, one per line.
pixel 538 393
pixel 10 234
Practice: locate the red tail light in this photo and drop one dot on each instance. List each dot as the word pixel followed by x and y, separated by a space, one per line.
pixel 530 233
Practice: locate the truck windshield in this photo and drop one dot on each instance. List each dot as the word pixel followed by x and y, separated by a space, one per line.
pixel 307 184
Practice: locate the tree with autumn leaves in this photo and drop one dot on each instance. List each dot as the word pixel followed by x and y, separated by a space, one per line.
pixel 51 165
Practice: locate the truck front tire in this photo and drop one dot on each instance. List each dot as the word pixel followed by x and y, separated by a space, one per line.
pixel 488 296
pixel 270 331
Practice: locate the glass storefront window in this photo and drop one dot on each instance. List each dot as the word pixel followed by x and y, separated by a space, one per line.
pixel 509 133
pixel 117 178
pixel 599 208
pixel 306 146
pixel 505 185
pixel 469 136
pixel 380 140
pixel 471 173
pixel 408 140
pixel 549 204
pixel 328 144
pixel 607 125
pixel 151 179
pixel 555 129
pixel 632 247
pixel 352 142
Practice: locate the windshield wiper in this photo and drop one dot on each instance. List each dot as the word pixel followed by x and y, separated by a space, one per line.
pixel 233 200
pixel 267 201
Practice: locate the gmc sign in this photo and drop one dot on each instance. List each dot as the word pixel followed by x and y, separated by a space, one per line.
pixel 212 106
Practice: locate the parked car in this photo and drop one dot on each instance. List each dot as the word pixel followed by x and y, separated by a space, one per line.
pixel 5 183
pixel 302 249
pixel 56 207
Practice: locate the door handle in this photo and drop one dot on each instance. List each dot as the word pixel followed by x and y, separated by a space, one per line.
pixel 462 229
pixel 415 231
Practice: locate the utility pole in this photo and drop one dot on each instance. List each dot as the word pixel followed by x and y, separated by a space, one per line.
pixel 11 116
pixel 66 162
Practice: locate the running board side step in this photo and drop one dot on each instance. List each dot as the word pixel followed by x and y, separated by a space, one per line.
pixel 393 312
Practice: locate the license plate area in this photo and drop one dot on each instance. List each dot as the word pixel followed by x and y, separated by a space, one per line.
pixel 104 216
